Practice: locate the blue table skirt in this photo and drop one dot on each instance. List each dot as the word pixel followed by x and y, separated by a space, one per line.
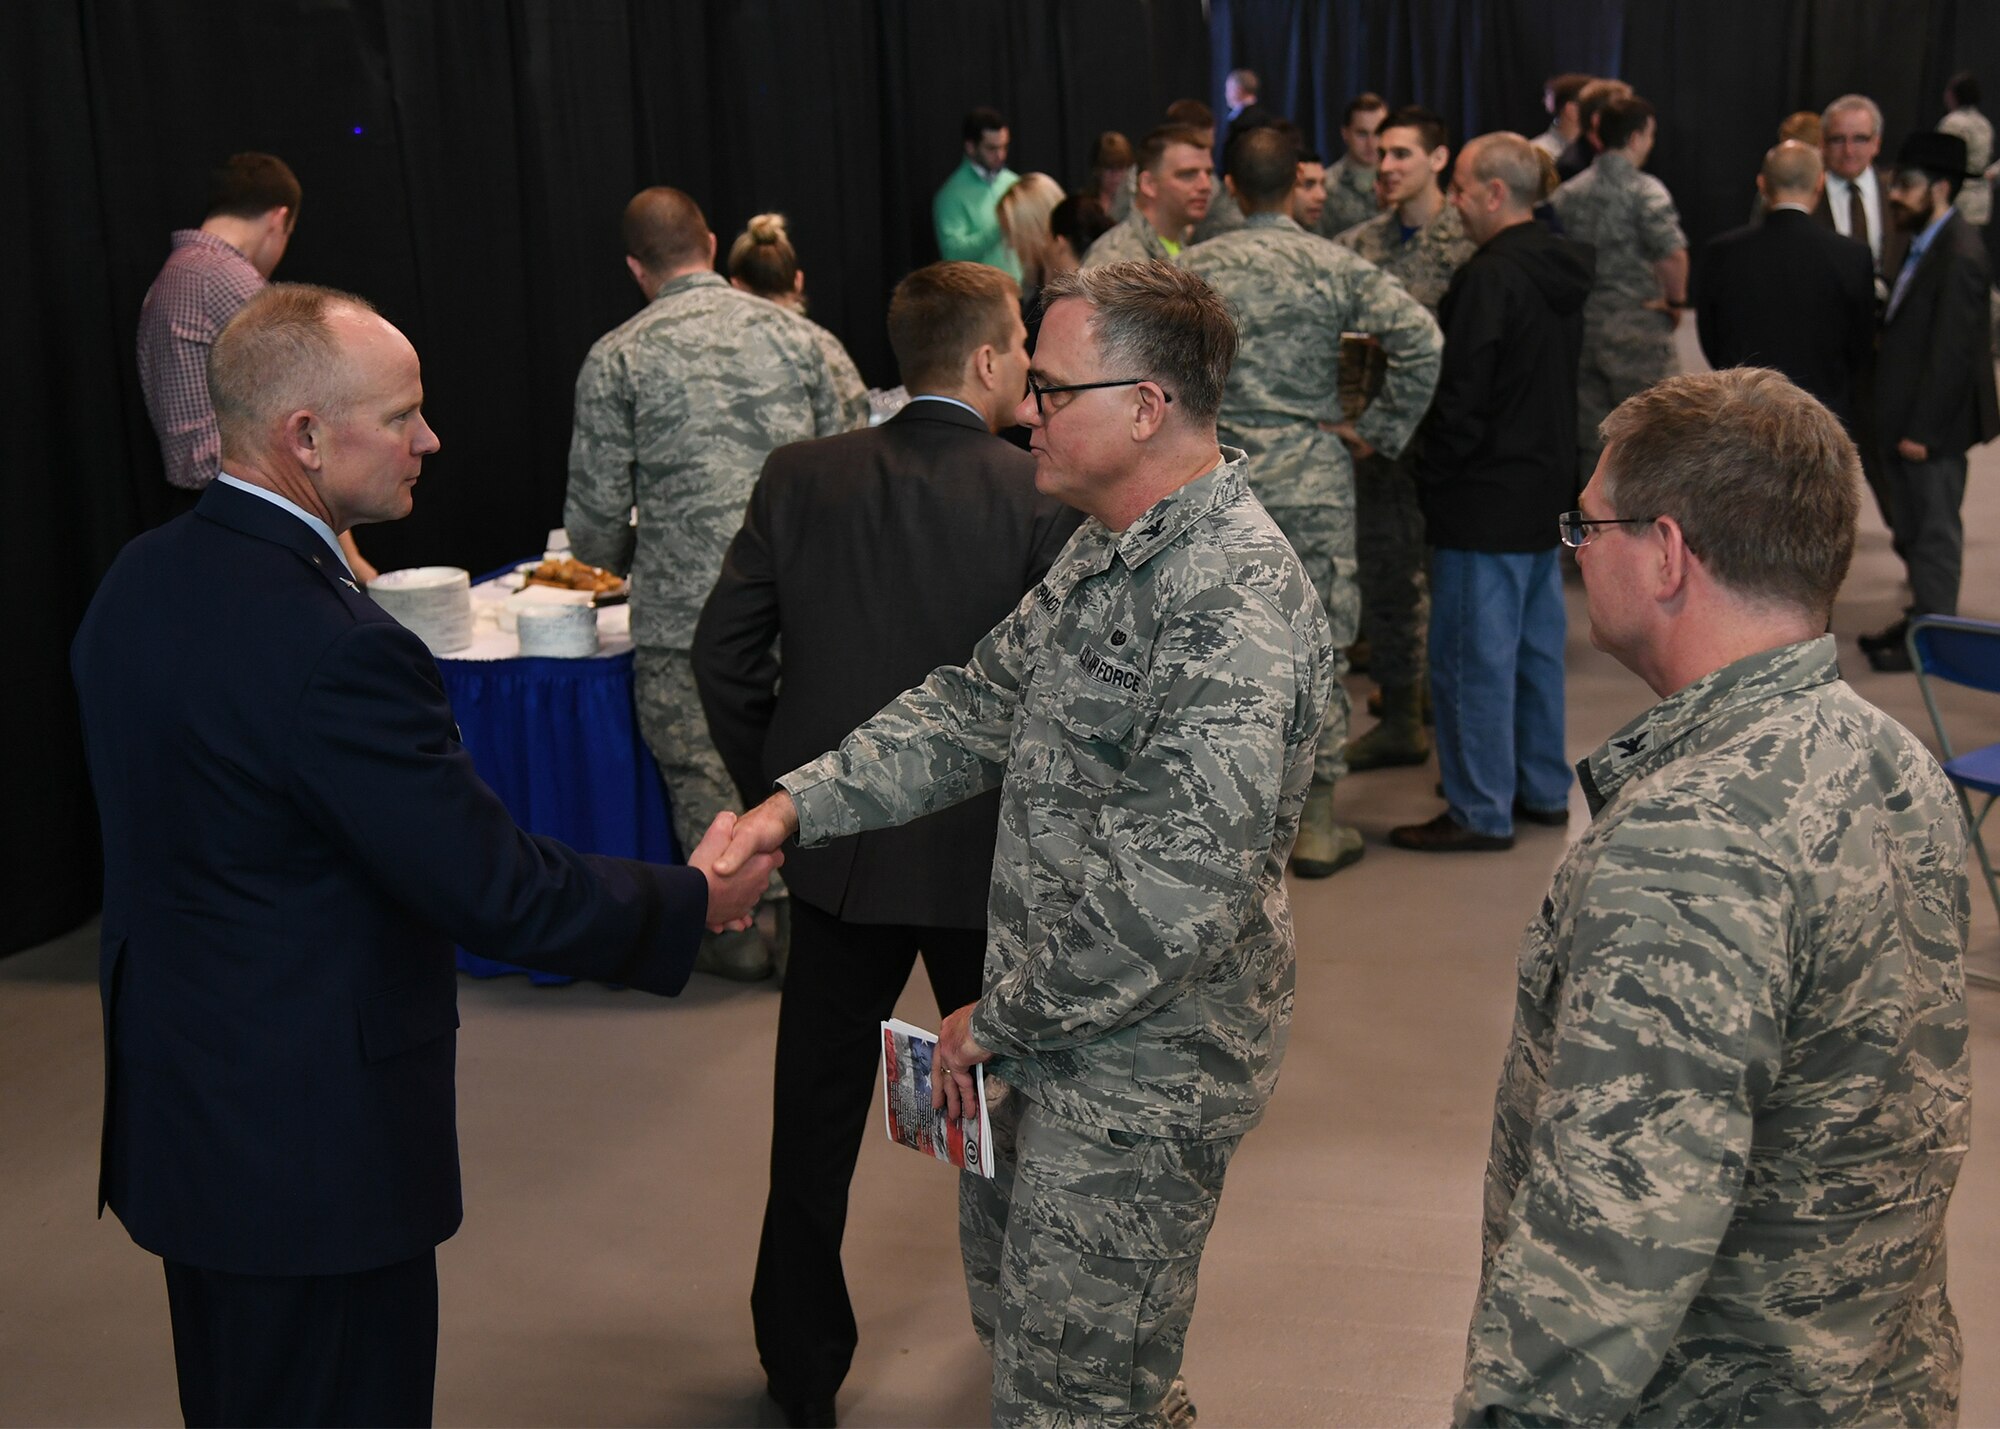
pixel 559 743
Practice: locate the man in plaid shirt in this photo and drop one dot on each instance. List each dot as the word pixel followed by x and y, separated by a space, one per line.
pixel 212 271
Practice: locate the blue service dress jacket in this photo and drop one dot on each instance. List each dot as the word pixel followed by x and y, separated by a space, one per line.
pixel 294 839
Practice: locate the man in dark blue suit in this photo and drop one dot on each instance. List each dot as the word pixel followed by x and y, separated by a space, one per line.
pixel 294 839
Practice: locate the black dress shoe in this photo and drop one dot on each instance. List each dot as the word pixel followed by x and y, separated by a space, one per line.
pixel 806 1413
pixel 1547 818
pixel 1444 834
pixel 1890 637
pixel 1891 659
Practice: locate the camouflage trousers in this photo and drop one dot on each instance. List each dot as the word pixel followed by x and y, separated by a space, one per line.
pixel 1081 1256
pixel 1395 604
pixel 1621 357
pixel 1323 536
pixel 676 731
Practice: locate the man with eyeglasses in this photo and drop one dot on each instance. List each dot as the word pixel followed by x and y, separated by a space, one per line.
pixel 1293 295
pixel 1150 714
pixel 1736 1098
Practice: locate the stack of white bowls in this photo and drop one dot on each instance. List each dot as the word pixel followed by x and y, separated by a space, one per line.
pixel 433 602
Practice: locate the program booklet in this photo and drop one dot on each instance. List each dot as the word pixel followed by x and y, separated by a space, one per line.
pixel 906 1102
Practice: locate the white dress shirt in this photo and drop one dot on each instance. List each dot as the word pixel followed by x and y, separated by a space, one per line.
pixel 320 528
pixel 1871 200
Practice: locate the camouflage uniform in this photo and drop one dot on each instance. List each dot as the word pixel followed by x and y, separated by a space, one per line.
pixel 1350 197
pixel 1736 1098
pixel 848 387
pixel 676 409
pixel 1133 240
pixel 1293 295
pixel 1150 712
pixel 1629 217
pixel 1389 524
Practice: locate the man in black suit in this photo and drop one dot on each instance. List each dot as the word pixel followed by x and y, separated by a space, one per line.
pixel 1789 293
pixel 1934 390
pixel 871 559
pixel 293 841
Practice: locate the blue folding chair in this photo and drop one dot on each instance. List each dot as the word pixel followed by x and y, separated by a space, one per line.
pixel 1962 652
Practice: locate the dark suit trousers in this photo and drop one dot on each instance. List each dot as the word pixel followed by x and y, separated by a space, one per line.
pixel 357 1349
pixel 843 979
pixel 1924 501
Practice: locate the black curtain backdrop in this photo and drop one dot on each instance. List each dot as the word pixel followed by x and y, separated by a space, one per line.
pixel 1722 73
pixel 465 163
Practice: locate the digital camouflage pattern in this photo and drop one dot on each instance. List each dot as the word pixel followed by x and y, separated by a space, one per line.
pixel 1131 240
pixel 1325 539
pixel 1736 1097
pixel 1629 218
pixel 675 729
pixel 1425 264
pixel 676 409
pixel 847 384
pixel 1081 1257
pixel 1149 712
pixel 1389 520
pixel 1293 295
pixel 1350 197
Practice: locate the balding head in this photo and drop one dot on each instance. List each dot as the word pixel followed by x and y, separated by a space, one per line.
pixel 1791 174
pixel 665 234
pixel 281 353
pixel 320 399
pixel 1496 183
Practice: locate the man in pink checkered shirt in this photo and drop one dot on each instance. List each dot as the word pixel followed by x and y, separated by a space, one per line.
pixel 212 271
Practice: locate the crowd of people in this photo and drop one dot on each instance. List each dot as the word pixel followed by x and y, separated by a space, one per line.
pixel 1279 415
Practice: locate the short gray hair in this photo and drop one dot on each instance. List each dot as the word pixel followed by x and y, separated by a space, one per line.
pixel 1159 322
pixel 277 355
pixel 1854 101
pixel 1510 159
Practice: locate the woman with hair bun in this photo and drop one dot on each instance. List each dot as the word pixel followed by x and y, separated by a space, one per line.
pixel 763 263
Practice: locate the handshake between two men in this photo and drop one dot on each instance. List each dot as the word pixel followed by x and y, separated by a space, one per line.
pixel 753 842
pixel 737 873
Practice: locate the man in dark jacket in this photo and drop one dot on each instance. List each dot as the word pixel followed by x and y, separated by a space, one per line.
pixel 1788 292
pixel 293 841
pixel 1497 470
pixel 1934 392
pixel 872 558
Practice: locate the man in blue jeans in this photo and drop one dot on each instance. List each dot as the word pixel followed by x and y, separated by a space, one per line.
pixel 1496 470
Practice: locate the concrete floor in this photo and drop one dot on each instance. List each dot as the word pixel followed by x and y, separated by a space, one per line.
pixel 614 1151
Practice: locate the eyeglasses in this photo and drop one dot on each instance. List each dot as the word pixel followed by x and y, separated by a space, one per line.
pixel 1576 527
pixel 1038 391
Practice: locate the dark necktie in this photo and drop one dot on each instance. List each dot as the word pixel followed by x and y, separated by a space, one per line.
pixel 1857 215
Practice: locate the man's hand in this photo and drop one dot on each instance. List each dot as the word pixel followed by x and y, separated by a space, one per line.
pixel 1345 431
pixel 957 1054
pixel 1912 451
pixel 761 831
pixel 733 895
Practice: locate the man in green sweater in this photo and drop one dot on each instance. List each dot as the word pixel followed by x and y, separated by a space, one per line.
pixel 968 227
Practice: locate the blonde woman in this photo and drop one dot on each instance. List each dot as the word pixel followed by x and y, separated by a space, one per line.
pixel 763 263
pixel 1024 225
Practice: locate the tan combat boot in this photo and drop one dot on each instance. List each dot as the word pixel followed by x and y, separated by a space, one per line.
pixel 1323 847
pixel 1399 739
